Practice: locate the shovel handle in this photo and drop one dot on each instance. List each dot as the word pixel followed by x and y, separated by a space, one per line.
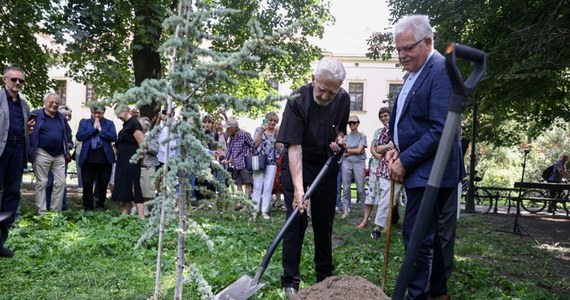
pixel 388 229
pixel 336 157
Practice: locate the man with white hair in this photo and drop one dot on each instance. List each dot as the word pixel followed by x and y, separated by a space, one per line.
pixel 314 120
pixel 48 152
pixel 66 112
pixel 420 112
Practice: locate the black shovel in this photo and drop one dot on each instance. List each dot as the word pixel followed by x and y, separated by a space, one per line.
pixel 456 107
pixel 246 286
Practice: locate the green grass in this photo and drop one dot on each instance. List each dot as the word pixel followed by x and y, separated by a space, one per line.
pixel 78 255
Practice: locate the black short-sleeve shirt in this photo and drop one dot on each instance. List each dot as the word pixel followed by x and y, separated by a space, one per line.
pixel 313 126
pixel 126 135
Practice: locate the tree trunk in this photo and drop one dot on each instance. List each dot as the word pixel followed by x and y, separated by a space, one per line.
pixel 146 39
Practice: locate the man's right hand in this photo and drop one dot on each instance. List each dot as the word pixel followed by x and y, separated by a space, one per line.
pixel 298 201
pixel 397 170
pixel 31 124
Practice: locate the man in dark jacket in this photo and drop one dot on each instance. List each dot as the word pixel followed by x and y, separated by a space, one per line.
pixel 48 150
pixel 15 124
pixel 97 157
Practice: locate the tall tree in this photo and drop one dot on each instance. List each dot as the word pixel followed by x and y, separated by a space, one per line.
pixel 528 79
pixel 114 43
pixel 20 21
pixel 193 66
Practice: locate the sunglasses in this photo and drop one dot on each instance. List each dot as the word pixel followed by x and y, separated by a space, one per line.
pixel 352 123
pixel 13 79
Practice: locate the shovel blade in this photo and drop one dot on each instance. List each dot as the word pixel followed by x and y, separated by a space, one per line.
pixel 4 215
pixel 241 289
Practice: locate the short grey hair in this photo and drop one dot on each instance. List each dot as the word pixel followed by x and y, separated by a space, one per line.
pixel 272 114
pixel 64 109
pixel 419 24
pixel 96 106
pixel 330 69
pixel 232 123
pixel 50 94
pixel 12 68
pixel 146 122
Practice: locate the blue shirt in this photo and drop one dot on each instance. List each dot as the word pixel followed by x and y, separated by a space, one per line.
pixel 16 116
pixel 51 136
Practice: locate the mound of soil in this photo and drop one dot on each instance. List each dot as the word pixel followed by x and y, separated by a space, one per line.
pixel 342 288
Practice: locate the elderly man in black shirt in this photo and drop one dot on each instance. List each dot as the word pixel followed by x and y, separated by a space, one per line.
pixel 314 122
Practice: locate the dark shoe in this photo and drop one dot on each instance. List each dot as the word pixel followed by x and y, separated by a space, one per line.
pixel 376 234
pixel 5 252
pixel 290 292
pixel 101 208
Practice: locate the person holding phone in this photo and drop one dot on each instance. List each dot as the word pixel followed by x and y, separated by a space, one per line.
pixel 14 142
pixel 265 143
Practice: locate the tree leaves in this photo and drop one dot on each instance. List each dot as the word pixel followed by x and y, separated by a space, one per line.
pixel 19 22
pixel 527 83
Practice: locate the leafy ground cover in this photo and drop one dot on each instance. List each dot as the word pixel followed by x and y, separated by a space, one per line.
pixel 77 255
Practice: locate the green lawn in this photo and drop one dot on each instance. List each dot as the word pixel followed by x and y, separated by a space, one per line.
pixel 78 255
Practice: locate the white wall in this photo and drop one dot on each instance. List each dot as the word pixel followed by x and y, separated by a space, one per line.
pixel 75 100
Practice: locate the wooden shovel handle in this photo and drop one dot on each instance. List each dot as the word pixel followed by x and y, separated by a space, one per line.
pixel 388 230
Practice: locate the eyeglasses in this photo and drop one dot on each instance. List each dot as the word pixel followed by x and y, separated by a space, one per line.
pixel 352 123
pixel 14 79
pixel 408 49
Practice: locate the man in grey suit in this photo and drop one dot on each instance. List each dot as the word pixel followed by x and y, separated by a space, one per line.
pixel 15 124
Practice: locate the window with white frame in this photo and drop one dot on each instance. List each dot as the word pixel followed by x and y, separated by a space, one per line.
pixel 356 92
pixel 89 93
pixel 61 91
pixel 393 91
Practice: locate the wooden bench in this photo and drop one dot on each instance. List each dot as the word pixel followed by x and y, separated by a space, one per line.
pixel 545 188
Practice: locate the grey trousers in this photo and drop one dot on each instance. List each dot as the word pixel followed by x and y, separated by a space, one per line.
pixel 350 170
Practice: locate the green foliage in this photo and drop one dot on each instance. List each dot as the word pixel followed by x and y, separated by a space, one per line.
pixel 128 35
pixel 77 255
pixel 502 166
pixel 19 22
pixel 526 87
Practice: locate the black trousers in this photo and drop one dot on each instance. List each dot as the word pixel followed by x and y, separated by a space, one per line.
pixel 98 176
pixel 322 216
pixel 554 193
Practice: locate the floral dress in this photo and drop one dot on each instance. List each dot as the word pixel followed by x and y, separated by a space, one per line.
pixel 378 168
pixel 267 147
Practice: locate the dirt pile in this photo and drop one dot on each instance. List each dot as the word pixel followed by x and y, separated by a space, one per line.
pixel 342 288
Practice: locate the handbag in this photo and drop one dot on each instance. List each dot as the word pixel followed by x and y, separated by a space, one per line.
pixel 255 162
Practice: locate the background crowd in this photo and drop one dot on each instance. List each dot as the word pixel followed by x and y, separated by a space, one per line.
pixel 102 154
